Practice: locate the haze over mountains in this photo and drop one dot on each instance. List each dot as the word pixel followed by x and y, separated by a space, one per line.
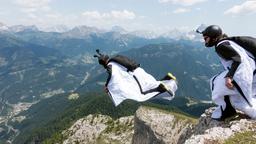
pixel 37 65
pixel 173 34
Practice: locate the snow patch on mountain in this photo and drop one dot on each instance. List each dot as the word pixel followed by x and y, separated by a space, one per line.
pixel 20 28
pixel 3 27
pixel 57 28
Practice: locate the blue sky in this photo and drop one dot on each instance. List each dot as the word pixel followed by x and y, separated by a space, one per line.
pixel 236 17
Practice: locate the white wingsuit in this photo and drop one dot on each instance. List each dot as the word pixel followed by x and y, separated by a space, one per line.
pixel 135 85
pixel 242 97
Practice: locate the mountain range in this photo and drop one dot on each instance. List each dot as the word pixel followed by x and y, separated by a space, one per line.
pixel 171 34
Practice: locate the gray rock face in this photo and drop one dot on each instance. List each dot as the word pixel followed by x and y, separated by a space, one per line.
pixel 209 131
pixel 156 126
pixel 100 129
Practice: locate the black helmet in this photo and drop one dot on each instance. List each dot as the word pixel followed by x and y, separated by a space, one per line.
pixel 212 31
pixel 102 59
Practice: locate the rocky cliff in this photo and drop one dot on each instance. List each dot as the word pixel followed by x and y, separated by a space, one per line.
pixel 158 126
pixel 154 126
pixel 100 129
pixel 238 129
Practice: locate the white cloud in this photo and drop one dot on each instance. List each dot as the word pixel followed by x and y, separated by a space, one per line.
pixel 123 14
pixel 33 16
pixel 53 16
pixel 28 10
pixel 33 3
pixel 32 6
pixel 198 9
pixel 92 14
pixel 116 15
pixel 244 8
pixel 1 12
pixel 34 11
pixel 182 2
pixel 181 10
pixel 89 18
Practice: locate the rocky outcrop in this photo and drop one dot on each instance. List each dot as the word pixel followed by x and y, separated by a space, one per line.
pixel 158 126
pixel 209 131
pixel 161 127
pixel 100 129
